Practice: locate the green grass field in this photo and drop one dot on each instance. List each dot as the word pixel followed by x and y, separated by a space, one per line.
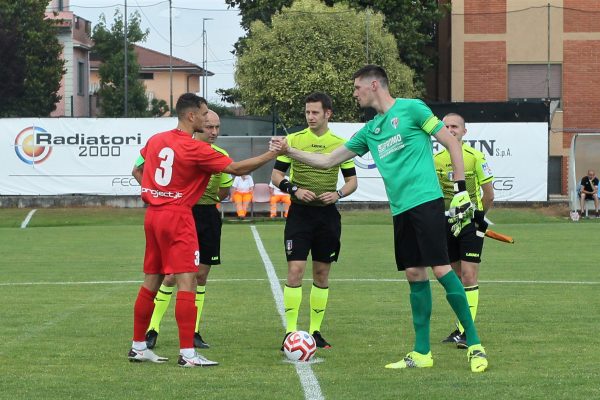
pixel 70 278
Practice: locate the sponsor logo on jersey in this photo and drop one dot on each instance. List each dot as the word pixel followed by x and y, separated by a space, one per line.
pixel 390 146
pixel 157 193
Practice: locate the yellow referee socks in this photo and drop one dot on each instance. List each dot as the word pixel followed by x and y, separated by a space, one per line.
pixel 472 293
pixel 200 292
pixel 292 297
pixel 318 304
pixel 161 303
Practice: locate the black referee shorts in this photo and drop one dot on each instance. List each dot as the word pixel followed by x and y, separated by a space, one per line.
pixel 467 246
pixel 420 236
pixel 313 229
pixel 208 228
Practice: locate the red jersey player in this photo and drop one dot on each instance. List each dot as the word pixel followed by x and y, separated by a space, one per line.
pixel 176 172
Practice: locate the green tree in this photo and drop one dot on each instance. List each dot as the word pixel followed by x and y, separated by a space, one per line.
pixel 312 47
pixel 413 24
pixel 158 108
pixel 31 66
pixel 108 47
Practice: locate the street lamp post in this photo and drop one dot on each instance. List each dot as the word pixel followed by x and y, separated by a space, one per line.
pixel 204 54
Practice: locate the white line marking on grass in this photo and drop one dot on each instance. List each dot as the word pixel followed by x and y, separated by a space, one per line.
pixel 27 219
pixel 308 280
pixel 309 381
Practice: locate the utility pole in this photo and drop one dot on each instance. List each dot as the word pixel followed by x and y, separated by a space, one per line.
pixel 170 58
pixel 126 78
pixel 204 55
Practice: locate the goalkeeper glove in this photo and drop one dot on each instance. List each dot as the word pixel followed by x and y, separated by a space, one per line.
pixel 457 224
pixel 461 202
pixel 480 223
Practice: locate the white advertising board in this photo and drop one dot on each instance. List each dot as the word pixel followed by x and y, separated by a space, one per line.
pixel 54 156
pixel 516 152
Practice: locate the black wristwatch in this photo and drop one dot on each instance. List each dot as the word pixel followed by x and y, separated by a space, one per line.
pixel 293 190
pixel 340 193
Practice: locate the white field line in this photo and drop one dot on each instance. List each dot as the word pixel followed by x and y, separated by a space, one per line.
pixel 308 380
pixel 360 280
pixel 27 219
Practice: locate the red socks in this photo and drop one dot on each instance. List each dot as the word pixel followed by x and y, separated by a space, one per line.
pixel 185 314
pixel 142 313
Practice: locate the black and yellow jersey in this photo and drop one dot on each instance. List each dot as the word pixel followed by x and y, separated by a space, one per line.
pixel 218 180
pixel 477 173
pixel 306 177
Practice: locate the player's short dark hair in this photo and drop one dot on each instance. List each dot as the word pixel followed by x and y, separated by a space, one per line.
pixel 187 101
pixel 374 72
pixel 320 97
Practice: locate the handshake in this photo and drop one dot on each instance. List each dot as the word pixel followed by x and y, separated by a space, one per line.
pixel 278 144
pixel 462 212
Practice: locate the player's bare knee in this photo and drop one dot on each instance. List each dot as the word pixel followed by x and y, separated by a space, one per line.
pixel 169 280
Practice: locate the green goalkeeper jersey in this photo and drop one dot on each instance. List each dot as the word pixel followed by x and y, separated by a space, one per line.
pixel 400 143
pixel 477 173
pixel 218 180
pixel 304 176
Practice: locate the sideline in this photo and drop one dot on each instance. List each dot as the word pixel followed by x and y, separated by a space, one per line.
pixel 310 384
pixel 27 219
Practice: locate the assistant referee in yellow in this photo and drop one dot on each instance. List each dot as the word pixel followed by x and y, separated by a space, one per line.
pixel 466 245
pixel 314 223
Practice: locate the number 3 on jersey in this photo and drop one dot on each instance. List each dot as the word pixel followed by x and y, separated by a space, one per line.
pixel 164 173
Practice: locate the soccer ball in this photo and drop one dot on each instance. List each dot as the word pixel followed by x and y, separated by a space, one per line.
pixel 299 346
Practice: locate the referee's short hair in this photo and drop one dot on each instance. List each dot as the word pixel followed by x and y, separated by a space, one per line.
pixel 374 72
pixel 452 114
pixel 320 97
pixel 187 101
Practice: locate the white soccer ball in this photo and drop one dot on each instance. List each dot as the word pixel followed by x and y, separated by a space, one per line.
pixel 299 346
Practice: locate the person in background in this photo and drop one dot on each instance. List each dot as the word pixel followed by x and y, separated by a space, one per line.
pixel 277 196
pixel 242 194
pixel 465 248
pixel 589 191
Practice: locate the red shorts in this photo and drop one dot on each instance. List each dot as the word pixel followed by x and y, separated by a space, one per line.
pixel 171 241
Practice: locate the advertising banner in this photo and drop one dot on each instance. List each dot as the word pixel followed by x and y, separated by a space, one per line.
pixel 54 156
pixel 517 153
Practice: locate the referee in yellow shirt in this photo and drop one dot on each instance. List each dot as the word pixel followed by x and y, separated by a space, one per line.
pixel 465 249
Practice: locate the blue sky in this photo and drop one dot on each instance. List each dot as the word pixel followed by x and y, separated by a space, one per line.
pixel 221 32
